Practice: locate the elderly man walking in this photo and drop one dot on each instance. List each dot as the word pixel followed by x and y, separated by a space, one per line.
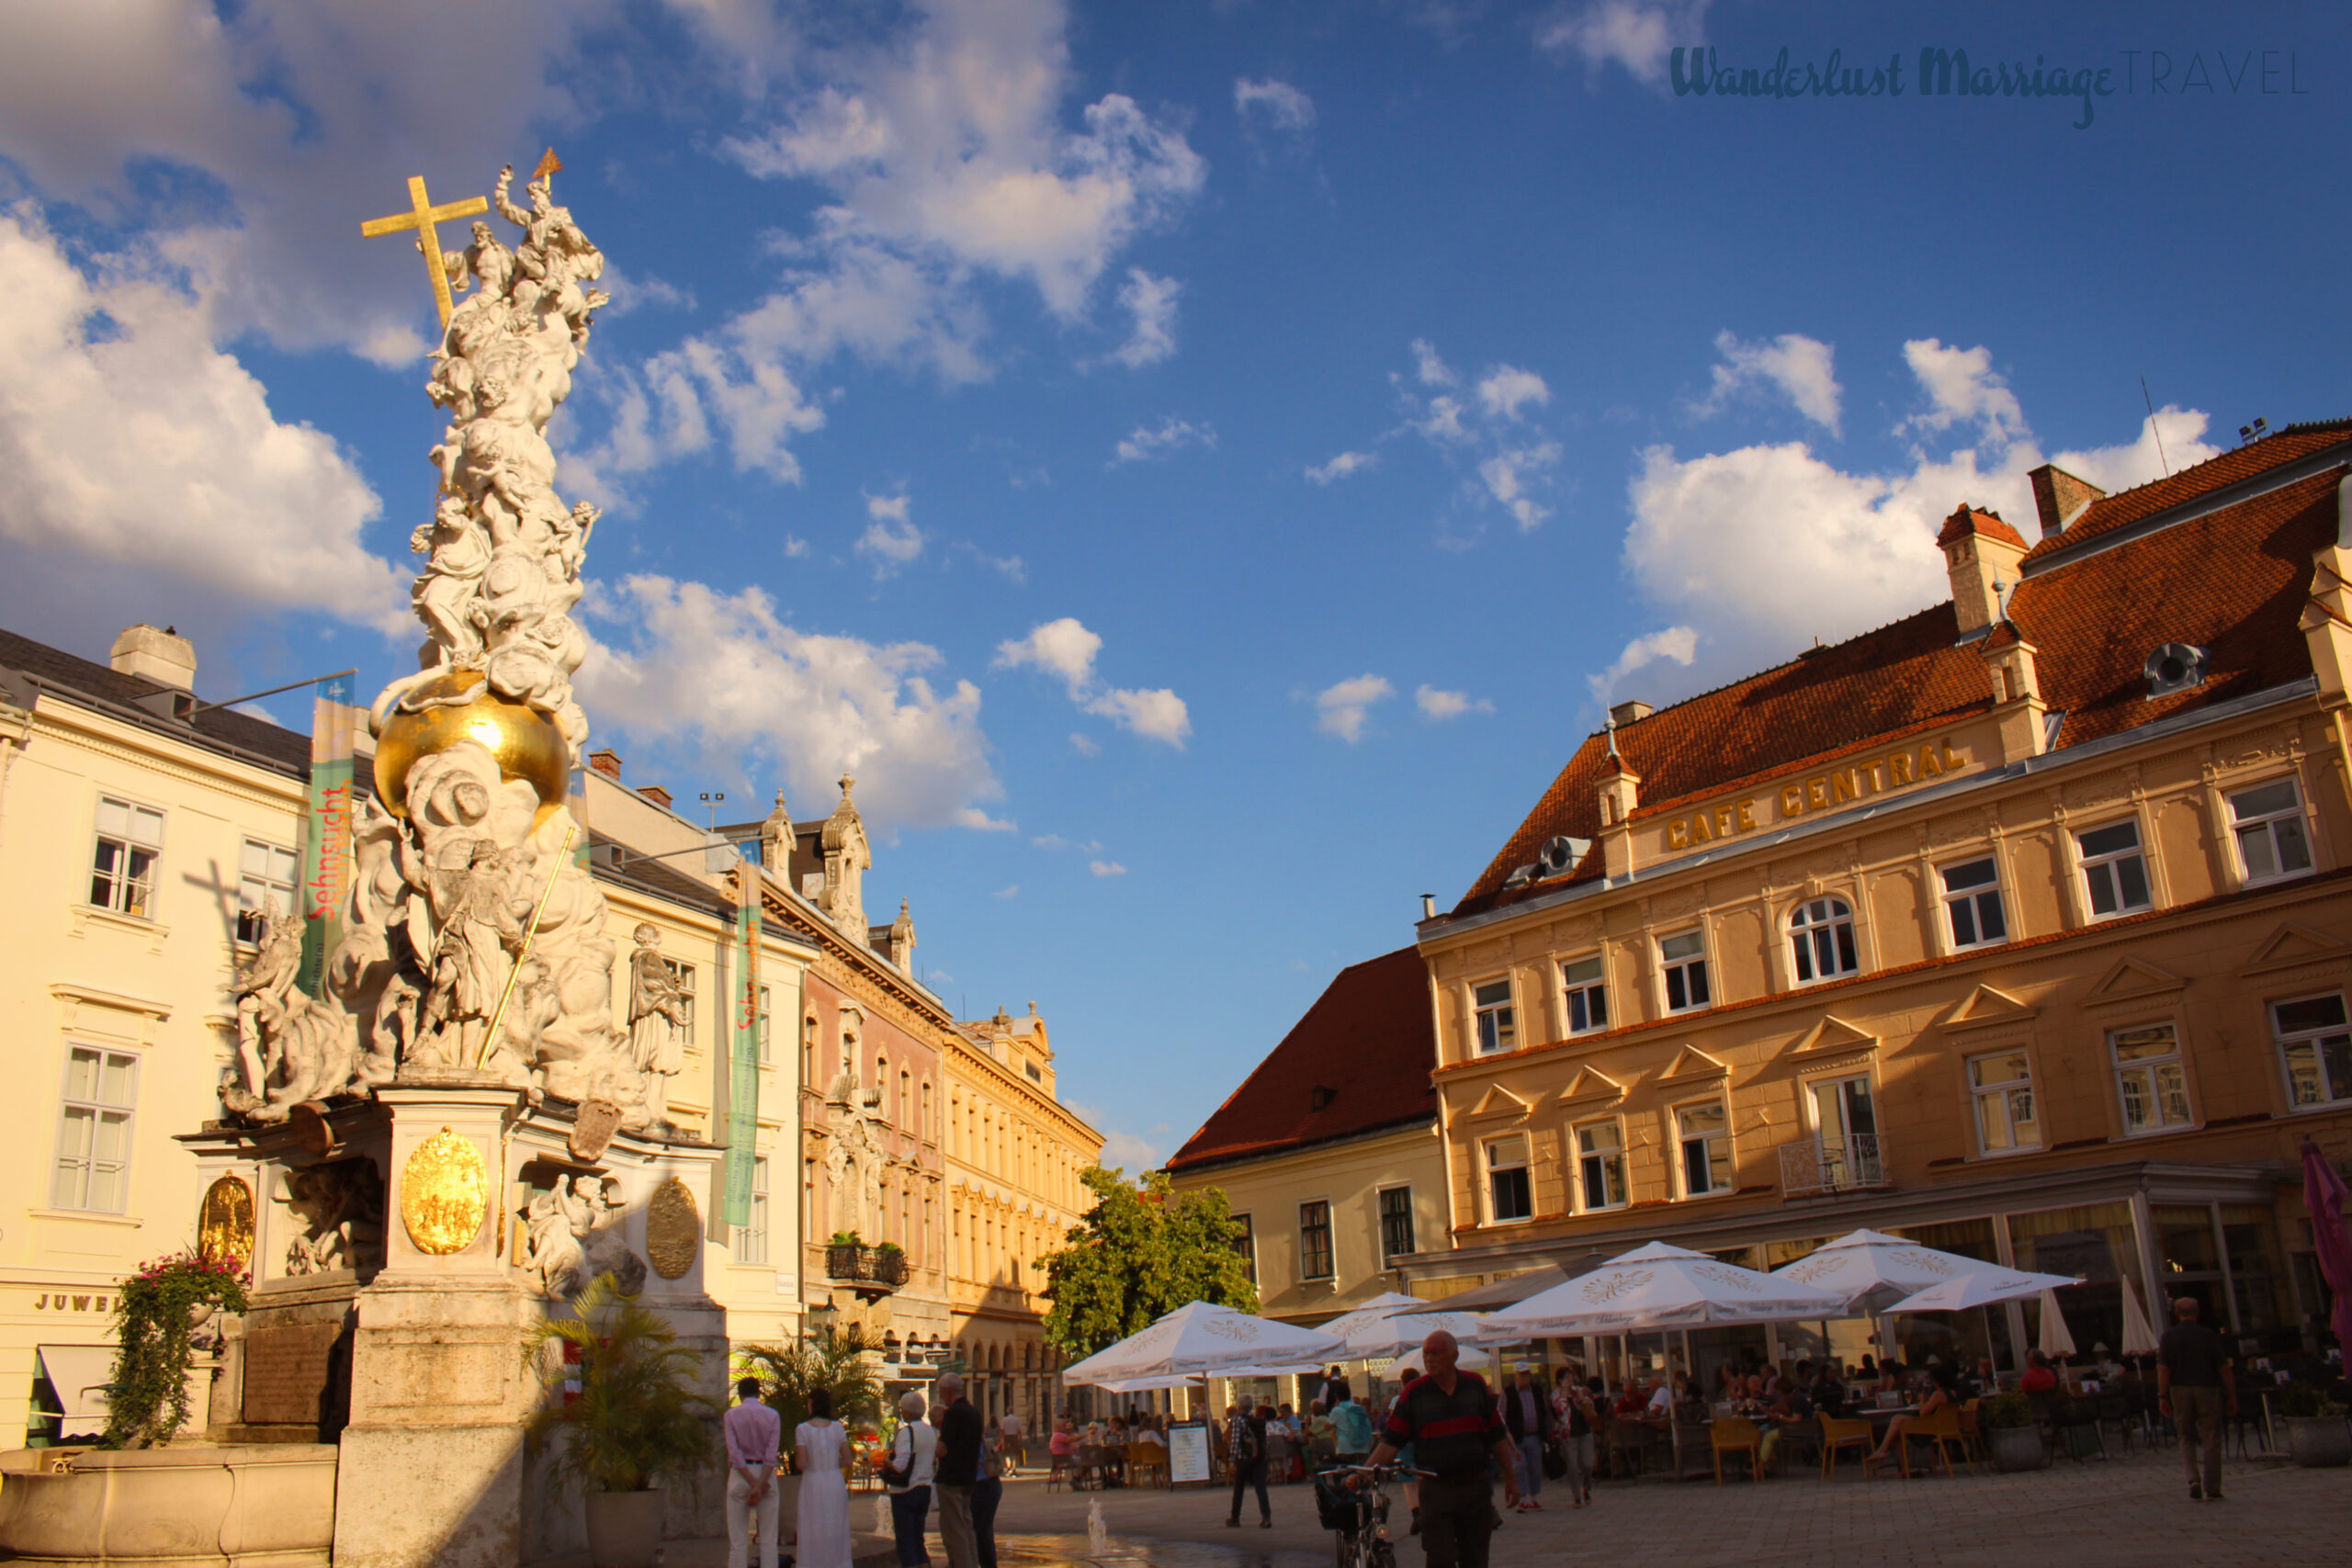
pixel 1451 1418
pixel 751 1430
pixel 2194 1384
pixel 956 1471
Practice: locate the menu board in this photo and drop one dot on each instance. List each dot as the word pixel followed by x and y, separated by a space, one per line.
pixel 1188 1452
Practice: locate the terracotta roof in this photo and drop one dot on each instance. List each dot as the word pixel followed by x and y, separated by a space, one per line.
pixel 2255 457
pixel 2234 582
pixel 1976 520
pixel 1368 1040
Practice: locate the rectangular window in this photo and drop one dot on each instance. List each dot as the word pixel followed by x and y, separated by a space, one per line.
pixel 1314 1240
pixel 1497 1029
pixel 2002 1084
pixel 1396 1222
pixel 766 1017
pixel 265 876
pixel 2114 872
pixel 1246 1244
pixel 1705 1137
pixel 1588 995
pixel 1684 956
pixel 2317 1048
pixel 2149 1077
pixel 93 1132
pixel 2269 822
pixel 1508 1195
pixel 1600 1165
pixel 752 1238
pixel 683 974
pixel 122 873
pixel 1973 897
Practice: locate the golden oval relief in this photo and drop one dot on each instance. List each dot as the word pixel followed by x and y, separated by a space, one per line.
pixel 224 1222
pixel 445 1194
pixel 673 1229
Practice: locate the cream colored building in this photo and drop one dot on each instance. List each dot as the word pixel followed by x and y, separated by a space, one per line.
pixel 2021 927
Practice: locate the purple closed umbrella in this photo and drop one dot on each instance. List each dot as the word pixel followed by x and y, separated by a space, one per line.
pixel 2324 1194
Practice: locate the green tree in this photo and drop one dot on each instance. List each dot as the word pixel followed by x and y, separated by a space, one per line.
pixel 1141 1253
pixel 836 1361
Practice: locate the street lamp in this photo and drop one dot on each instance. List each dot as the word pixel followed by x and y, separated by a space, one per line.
pixel 822 1319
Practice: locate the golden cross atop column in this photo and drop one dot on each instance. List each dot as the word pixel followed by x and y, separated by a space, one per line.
pixel 422 216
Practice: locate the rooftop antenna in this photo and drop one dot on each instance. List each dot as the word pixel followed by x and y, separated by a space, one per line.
pixel 2151 425
pixel 710 799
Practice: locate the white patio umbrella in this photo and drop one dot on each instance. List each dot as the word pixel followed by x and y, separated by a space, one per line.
pixel 1277 1369
pixel 1200 1337
pixel 2055 1341
pixel 1871 1268
pixel 1144 1385
pixel 1986 1286
pixel 1385 1305
pixel 1401 1333
pixel 1471 1360
pixel 1658 1286
pixel 2139 1334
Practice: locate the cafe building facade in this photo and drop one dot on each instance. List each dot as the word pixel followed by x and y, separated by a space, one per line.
pixel 2021 928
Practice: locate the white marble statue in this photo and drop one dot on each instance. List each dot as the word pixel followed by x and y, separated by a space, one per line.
pixel 657 1018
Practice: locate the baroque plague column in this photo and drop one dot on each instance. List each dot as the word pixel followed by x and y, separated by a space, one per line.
pixel 456 1128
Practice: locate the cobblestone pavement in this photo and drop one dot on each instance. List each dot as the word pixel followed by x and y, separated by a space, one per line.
pixel 2125 1512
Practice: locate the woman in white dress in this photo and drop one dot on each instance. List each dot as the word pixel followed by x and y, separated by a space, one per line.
pixel 821 1449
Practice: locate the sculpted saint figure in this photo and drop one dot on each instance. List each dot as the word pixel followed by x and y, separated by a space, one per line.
pixel 657 1011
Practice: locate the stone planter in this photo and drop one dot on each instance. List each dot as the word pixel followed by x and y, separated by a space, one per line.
pixel 187 1505
pixel 625 1527
pixel 2317 1441
pixel 2015 1449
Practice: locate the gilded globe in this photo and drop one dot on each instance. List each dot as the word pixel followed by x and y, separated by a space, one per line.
pixel 527 744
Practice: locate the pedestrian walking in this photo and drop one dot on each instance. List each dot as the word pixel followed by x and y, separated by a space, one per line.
pixel 1451 1420
pixel 2195 1385
pixel 752 1432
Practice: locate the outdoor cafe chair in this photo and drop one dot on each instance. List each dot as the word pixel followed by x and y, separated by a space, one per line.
pixel 1622 1439
pixel 1736 1434
pixel 1144 1462
pixel 1941 1429
pixel 1836 1435
pixel 1971 1436
pixel 1088 1473
pixel 1058 1471
pixel 2115 1410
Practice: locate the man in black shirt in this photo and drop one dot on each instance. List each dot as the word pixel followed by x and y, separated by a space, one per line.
pixel 956 1471
pixel 1527 1413
pixel 1457 1432
pixel 2194 1382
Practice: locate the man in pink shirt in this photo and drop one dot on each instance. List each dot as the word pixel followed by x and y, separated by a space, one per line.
pixel 753 1431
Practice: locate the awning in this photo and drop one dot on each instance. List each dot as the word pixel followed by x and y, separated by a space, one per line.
pixel 80 1374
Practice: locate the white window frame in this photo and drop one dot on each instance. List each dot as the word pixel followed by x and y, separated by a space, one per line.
pixel 1591 993
pixel 1818 929
pixel 1330 1260
pixel 764 1023
pixel 2152 1090
pixel 2003 1092
pixel 130 889
pixel 1698 998
pixel 1380 1220
pixel 1504 1036
pixel 2315 1040
pixel 1615 1155
pixel 2108 865
pixel 1490 1169
pixel 1973 896
pixel 257 889
pixel 1717 1144
pixel 2266 826
pixel 681 974
pixel 80 1152
pixel 752 1236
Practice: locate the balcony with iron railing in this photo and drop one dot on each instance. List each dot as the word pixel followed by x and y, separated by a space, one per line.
pixel 871 1270
pixel 1825 1166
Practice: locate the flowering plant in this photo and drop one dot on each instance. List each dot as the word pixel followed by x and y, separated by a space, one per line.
pixel 147 1401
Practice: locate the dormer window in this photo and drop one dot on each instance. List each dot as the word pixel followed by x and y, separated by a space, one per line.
pixel 1320 1095
pixel 2174 668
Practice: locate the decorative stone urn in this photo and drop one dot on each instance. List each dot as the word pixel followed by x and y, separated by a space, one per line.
pixel 2015 1449
pixel 625 1527
pixel 2318 1441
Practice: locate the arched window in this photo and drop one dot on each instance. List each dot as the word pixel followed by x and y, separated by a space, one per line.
pixel 924 1129
pixel 1821 935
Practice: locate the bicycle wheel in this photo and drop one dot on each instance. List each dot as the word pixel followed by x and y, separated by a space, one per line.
pixel 1344 1548
pixel 1380 1554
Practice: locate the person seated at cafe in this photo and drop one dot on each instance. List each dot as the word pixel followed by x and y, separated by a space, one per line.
pixel 1939 1396
pixel 1867 1374
pixel 1790 1408
pixel 1829 1394
pixel 2040 1377
pixel 1661 1401
pixel 1632 1400
pixel 1148 1432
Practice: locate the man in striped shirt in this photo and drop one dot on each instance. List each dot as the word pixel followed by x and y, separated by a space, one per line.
pixel 1456 1429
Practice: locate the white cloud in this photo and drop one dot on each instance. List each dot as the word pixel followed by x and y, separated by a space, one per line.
pixel 1507 389
pixel 1151 301
pixel 1085 745
pixel 981 821
pixel 1066 649
pixel 1428 368
pixel 1056 841
pixel 1680 644
pixel 1106 868
pixel 795 547
pixel 1340 466
pixel 1440 704
pixel 1635 34
pixel 1173 435
pixel 1508 473
pixel 1963 388
pixel 1124 1151
pixel 720 672
pixel 128 438
pixel 1276 104
pixel 892 538
pixel 1803 368
pixel 1011 892
pixel 1342 709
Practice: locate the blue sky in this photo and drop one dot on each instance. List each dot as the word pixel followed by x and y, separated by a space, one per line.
pixel 1203 467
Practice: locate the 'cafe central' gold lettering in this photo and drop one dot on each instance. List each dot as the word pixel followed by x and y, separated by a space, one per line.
pixel 1822 792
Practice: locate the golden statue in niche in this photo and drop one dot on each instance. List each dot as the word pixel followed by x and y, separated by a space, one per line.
pixel 224 1222
pixel 445 1194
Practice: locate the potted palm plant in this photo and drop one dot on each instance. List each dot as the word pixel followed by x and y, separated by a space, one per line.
pixel 2316 1434
pixel 621 1417
pixel 2012 1436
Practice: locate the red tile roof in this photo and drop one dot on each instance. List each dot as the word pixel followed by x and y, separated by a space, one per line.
pixel 1368 1038
pixel 1976 520
pixel 2246 462
pixel 2233 582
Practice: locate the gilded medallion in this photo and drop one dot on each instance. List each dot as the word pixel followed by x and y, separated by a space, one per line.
pixel 445 1194
pixel 673 1229
pixel 224 1222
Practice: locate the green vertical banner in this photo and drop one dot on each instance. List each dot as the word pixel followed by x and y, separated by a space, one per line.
pixel 575 800
pixel 743 1095
pixel 326 829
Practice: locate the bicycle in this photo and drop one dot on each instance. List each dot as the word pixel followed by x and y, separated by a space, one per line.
pixel 1357 1515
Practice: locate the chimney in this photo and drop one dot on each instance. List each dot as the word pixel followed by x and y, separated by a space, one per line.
pixel 1429 905
pixel 655 794
pixel 163 656
pixel 2060 497
pixel 607 762
pixel 1980 551
pixel 1631 712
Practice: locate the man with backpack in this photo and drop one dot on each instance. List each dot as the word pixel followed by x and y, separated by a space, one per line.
pixel 1456 1428
pixel 1245 1442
